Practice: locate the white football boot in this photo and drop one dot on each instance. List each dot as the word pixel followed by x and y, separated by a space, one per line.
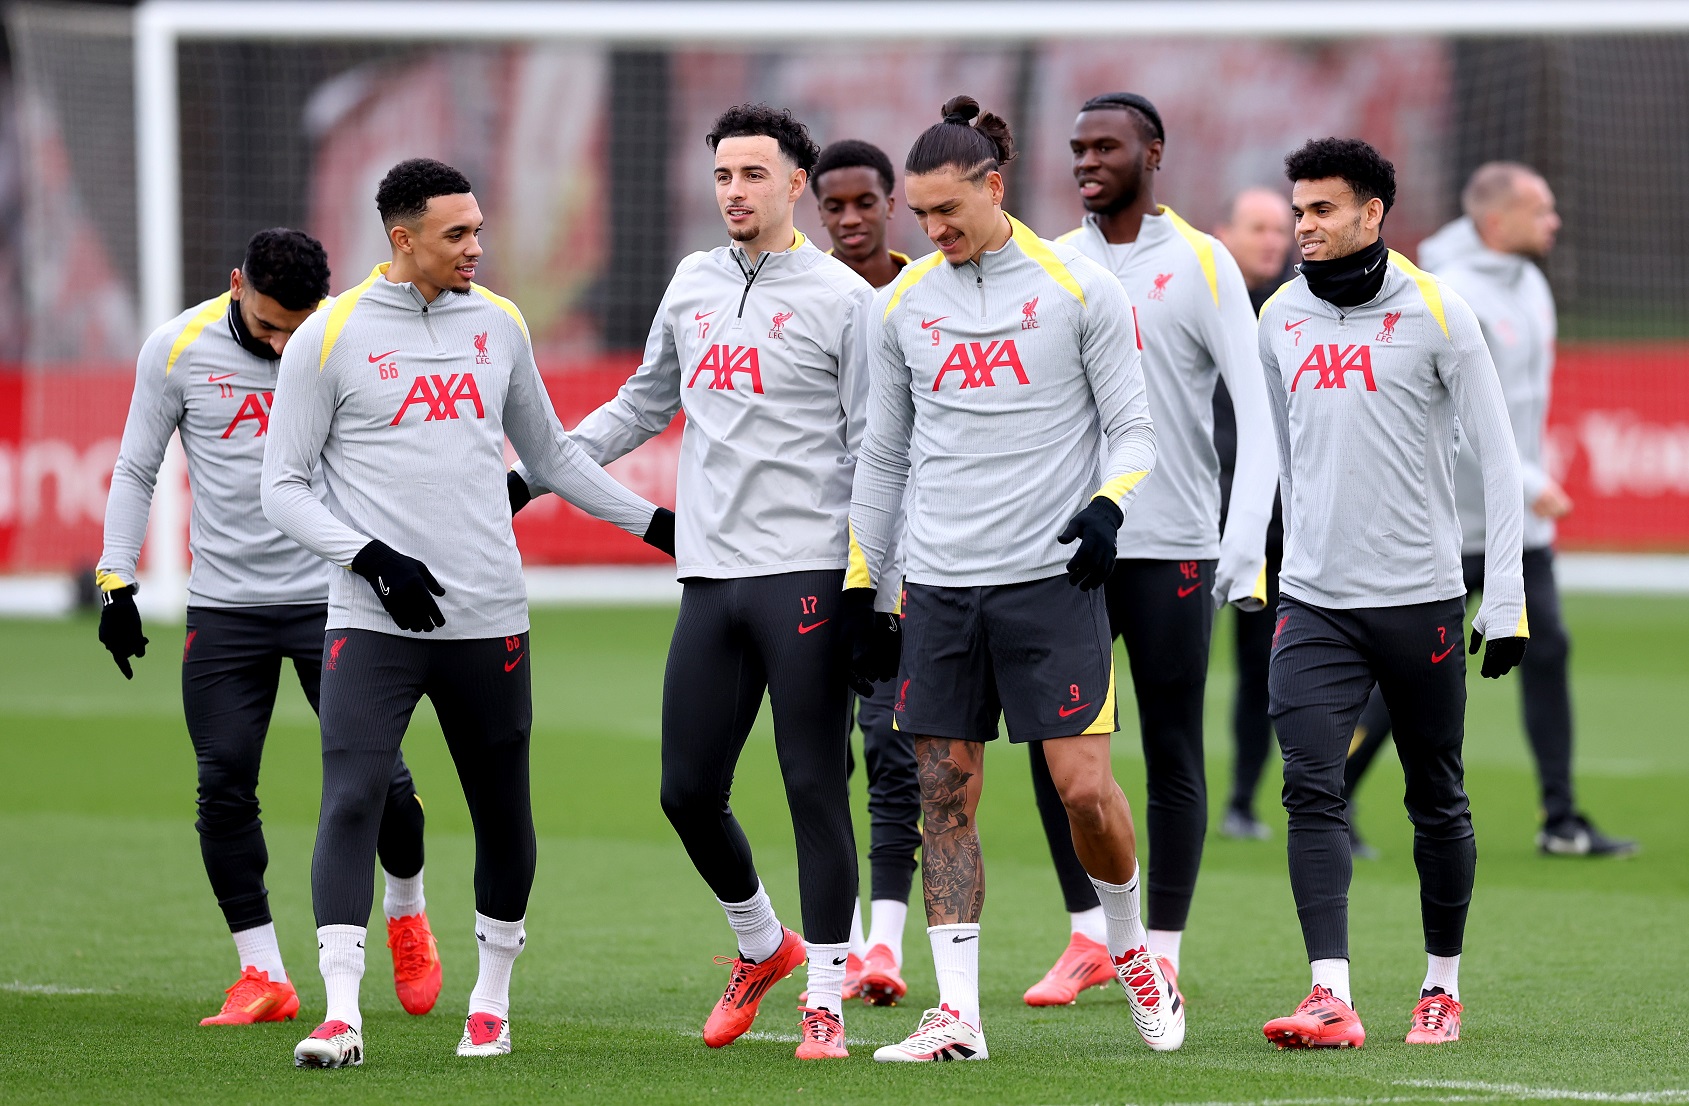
pixel 1157 1009
pixel 485 1035
pixel 942 1035
pixel 332 1044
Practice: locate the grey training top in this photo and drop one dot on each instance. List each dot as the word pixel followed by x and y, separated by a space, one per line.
pixel 1515 308
pixel 1364 401
pixel 194 378
pixel 1007 393
pixel 407 405
pixel 771 374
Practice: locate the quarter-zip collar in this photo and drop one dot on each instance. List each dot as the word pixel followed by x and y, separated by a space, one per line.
pixel 405 296
pixel 750 272
pixel 1155 228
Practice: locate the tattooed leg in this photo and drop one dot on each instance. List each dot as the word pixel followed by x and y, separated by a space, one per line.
pixel 952 873
pixel 1097 810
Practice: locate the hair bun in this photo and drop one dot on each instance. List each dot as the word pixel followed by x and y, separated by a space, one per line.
pixel 960 109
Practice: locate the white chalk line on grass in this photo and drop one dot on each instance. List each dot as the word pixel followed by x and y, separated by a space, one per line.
pixel 1557 1094
pixel 20 988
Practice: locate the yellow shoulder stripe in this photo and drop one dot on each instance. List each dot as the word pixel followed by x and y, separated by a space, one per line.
pixel 208 314
pixel 1071 235
pixel 910 277
pixel 342 310
pixel 506 306
pixel 1117 489
pixel 1038 250
pixel 1106 722
pixel 857 574
pixel 1276 295
pixel 1427 288
pixel 1204 247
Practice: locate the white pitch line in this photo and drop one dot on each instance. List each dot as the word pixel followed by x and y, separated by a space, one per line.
pixel 1557 1094
pixel 17 987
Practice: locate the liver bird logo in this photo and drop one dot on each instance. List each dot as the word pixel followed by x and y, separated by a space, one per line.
pixel 1388 334
pixel 1029 314
pixel 778 330
pixel 481 355
pixel 1159 292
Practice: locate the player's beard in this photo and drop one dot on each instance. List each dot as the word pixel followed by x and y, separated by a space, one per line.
pixel 746 233
pixel 255 346
pixel 1130 189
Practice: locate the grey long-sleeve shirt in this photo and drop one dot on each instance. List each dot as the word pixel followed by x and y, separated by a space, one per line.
pixel 1198 326
pixel 1364 401
pixel 1515 308
pixel 407 405
pixel 1006 394
pixel 194 378
pixel 771 374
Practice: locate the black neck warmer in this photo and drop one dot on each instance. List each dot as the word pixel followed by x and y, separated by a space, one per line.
pixel 1348 281
pixel 237 326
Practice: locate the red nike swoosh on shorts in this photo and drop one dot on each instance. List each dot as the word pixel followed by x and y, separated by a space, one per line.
pixel 1437 658
pixel 374 357
pixel 925 325
pixel 1065 711
pixel 802 629
pixel 510 666
pixel 1186 591
pixel 214 378
pixel 1297 323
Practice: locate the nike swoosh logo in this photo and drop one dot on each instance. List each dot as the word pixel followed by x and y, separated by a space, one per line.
pixel 929 324
pixel 1297 323
pixel 1437 658
pixel 226 376
pixel 839 961
pixel 958 939
pixel 802 629
pixel 374 357
pixel 511 665
pixel 1187 590
pixel 702 314
pixel 1065 711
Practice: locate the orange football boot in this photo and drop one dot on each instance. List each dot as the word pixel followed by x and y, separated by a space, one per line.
pixel 1436 1020
pixel 1322 1021
pixel 1083 964
pixel 416 962
pixel 880 984
pixel 823 1036
pixel 256 998
pixel 746 986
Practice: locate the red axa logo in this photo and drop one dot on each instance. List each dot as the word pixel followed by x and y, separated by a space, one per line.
pixel 254 408
pixel 1029 314
pixel 1388 334
pixel 1159 292
pixel 723 361
pixel 778 330
pixel 334 647
pixel 482 357
pixel 978 362
pixel 1331 364
pixel 440 395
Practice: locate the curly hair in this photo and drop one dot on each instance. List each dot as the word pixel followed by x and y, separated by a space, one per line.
pixel 403 194
pixel 289 266
pixel 960 142
pixel 760 120
pixel 852 153
pixel 1357 163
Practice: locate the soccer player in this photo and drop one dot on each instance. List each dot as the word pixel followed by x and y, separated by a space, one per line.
pixel 762 344
pixel 853 185
pixel 255 597
pixel 1196 328
pixel 1489 256
pixel 1369 362
pixel 1009 406
pixel 1257 233
pixel 402 393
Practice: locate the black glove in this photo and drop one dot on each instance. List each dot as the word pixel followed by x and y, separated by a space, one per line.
pixel 518 489
pixel 660 534
pixel 1501 656
pixel 402 584
pixel 120 628
pixel 874 640
pixel 1096 528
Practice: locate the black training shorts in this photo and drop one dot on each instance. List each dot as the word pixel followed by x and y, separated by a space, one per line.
pixel 1038 653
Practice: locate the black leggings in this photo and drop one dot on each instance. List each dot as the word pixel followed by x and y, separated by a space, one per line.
pixel 1544 690
pixel 1163 611
pixel 894 796
pixel 733 640
pixel 231 670
pixel 1325 664
pixel 1252 649
pixel 482 696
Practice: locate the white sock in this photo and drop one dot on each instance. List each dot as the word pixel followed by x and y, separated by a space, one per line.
pixel 500 944
pixel 858 945
pixel 1333 975
pixel 1444 972
pixel 1165 942
pixel 955 957
pixel 1120 907
pixel 754 923
pixel 826 975
pixel 885 926
pixel 1092 923
pixel 340 957
pixel 404 895
pixel 258 949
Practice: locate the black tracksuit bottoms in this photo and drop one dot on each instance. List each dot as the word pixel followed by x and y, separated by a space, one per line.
pixel 481 691
pixel 894 796
pixel 1164 612
pixel 1325 664
pixel 231 671
pixel 733 640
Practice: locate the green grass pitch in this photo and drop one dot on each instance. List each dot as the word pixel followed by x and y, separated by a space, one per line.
pixel 111 947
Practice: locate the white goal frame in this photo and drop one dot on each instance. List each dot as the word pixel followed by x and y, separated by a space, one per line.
pixel 160 25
